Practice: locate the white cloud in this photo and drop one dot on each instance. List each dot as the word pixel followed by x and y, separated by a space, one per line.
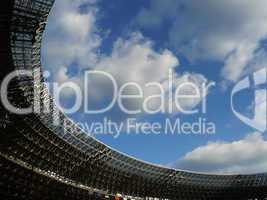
pixel 244 156
pixel 228 31
pixel 62 77
pixel 72 38
pixel 135 60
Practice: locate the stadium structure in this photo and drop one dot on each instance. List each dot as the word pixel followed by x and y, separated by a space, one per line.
pixel 42 160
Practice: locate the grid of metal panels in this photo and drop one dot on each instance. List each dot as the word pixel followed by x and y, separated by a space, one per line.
pixel 72 153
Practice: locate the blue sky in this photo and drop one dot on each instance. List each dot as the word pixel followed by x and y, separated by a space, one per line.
pixel 202 41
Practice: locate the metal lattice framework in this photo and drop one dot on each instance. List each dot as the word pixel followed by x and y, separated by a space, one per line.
pixel 42 160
